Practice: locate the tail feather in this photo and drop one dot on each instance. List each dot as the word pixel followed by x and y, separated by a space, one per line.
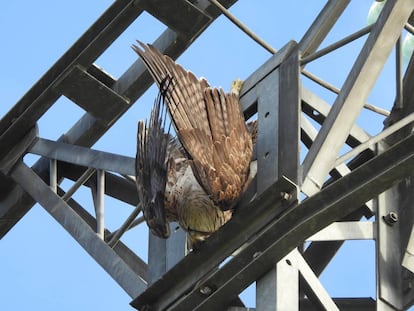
pixel 151 168
pixel 209 124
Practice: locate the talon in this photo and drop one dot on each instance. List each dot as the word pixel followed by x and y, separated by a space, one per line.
pixel 236 86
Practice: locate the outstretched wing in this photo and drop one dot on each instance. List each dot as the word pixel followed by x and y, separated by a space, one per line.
pixel 209 124
pixel 151 167
pixel 185 90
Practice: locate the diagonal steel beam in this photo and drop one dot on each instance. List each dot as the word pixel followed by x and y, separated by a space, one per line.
pixel 88 129
pixel 119 270
pixel 245 223
pixel 336 128
pixel 117 187
pixel 322 25
pixel 318 109
pixel 92 95
pixel 128 256
pixel 278 238
pixel 315 290
pixel 85 50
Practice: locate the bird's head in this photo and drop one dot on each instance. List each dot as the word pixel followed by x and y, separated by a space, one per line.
pixel 156 219
pixel 160 230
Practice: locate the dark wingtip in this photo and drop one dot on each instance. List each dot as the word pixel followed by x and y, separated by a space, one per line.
pixel 161 231
pixel 137 49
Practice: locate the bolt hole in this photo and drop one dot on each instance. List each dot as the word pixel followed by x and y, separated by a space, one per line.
pixel 266 154
pixel 267 114
pixel 288 262
pixel 316 113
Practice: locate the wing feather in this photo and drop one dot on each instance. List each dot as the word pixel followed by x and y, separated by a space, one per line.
pixel 151 169
pixel 209 124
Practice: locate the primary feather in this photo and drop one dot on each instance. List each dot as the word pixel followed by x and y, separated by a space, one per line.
pixel 207 178
pixel 209 124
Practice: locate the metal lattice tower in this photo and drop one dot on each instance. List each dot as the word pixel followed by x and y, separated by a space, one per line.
pixel 320 198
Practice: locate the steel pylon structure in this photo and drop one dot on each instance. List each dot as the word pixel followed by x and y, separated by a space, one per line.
pixel 309 195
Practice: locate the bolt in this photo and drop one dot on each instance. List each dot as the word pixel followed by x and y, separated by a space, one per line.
pixel 391 218
pixel 285 196
pixel 206 290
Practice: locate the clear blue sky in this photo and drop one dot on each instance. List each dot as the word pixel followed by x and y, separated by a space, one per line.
pixel 41 266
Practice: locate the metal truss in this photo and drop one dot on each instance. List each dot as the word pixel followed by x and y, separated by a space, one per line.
pixel 319 200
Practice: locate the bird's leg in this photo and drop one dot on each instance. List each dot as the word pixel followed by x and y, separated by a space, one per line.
pixel 236 86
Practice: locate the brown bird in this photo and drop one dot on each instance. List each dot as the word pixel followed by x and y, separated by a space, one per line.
pixel 198 178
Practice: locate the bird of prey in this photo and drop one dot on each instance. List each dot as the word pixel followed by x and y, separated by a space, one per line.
pixel 197 177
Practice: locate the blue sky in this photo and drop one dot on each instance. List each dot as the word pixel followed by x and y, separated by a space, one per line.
pixel 41 266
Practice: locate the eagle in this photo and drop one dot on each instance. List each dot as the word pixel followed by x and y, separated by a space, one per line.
pixel 196 177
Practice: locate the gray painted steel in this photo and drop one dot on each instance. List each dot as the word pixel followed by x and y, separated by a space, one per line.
pixel 260 243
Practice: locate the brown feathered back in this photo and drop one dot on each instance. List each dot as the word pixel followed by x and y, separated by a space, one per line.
pixel 209 124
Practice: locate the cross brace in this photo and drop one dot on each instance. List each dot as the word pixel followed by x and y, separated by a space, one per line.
pixel 282 235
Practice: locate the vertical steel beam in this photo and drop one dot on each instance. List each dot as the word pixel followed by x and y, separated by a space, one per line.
pixel 318 291
pixel 404 202
pixel 389 270
pixel 270 290
pixel 84 51
pixel 79 229
pixel 100 203
pixel 267 134
pixel 53 175
pixel 321 157
pixel 278 155
pixel 128 256
pixel 164 254
pixel 398 74
pixel 87 130
pixel 401 197
pixel 334 202
pixel 267 162
pixel 278 124
pixel 408 260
